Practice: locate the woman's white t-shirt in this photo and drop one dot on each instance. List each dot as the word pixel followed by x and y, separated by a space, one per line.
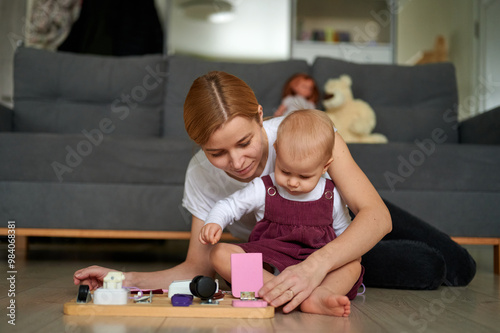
pixel 205 185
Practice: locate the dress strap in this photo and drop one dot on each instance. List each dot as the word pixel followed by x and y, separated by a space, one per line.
pixel 268 182
pixel 270 188
pixel 329 186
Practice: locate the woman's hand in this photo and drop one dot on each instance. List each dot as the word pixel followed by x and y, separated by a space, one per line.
pixel 294 285
pixel 197 263
pixel 92 276
pixel 210 234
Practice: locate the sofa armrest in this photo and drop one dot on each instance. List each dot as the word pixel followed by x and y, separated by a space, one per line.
pixel 5 118
pixel 481 129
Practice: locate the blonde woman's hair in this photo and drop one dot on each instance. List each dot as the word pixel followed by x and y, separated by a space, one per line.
pixel 214 99
pixel 304 133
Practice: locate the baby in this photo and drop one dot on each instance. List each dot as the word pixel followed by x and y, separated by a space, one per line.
pixel 294 206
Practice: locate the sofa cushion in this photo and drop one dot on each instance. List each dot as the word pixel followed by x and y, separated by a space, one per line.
pixel 482 128
pixel 94 206
pixel 76 158
pixel 454 187
pixel 428 166
pixel 5 118
pixel 266 80
pixel 410 102
pixel 457 213
pixel 59 92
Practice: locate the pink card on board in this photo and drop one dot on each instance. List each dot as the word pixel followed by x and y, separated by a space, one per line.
pixel 246 273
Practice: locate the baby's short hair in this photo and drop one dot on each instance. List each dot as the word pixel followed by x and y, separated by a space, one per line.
pixel 306 132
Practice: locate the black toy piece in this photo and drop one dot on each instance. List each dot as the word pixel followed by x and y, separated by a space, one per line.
pixel 83 295
pixel 203 287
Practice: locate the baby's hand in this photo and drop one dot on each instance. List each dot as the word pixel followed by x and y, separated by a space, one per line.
pixel 210 233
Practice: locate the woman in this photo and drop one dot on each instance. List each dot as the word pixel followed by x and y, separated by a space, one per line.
pixel 222 115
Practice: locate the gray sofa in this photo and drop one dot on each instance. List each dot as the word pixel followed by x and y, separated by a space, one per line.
pixel 98 143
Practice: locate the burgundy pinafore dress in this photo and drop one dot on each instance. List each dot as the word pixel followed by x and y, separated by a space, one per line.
pixel 291 230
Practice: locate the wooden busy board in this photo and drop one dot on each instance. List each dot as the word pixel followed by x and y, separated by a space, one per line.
pixel 162 307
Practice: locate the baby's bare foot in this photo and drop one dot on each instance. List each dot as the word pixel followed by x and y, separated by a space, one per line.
pixel 327 304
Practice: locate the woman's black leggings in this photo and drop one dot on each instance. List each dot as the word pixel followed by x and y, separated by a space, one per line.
pixel 416 255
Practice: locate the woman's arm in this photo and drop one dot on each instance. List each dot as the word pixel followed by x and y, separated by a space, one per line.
pixel 371 224
pixel 197 263
pixel 372 221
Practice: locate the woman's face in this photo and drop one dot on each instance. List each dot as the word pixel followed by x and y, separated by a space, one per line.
pixel 238 148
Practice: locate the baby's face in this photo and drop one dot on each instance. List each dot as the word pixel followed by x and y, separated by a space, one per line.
pixel 298 176
pixel 304 88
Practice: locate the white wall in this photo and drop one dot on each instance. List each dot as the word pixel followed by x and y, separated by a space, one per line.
pixel 12 30
pixel 421 21
pixel 261 30
pixel 489 75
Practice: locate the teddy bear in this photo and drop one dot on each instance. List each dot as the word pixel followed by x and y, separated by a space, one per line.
pixel 353 118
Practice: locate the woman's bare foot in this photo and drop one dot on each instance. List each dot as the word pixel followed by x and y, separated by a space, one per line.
pixel 327 303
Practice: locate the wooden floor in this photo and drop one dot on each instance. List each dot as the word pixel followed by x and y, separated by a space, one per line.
pixel 43 283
